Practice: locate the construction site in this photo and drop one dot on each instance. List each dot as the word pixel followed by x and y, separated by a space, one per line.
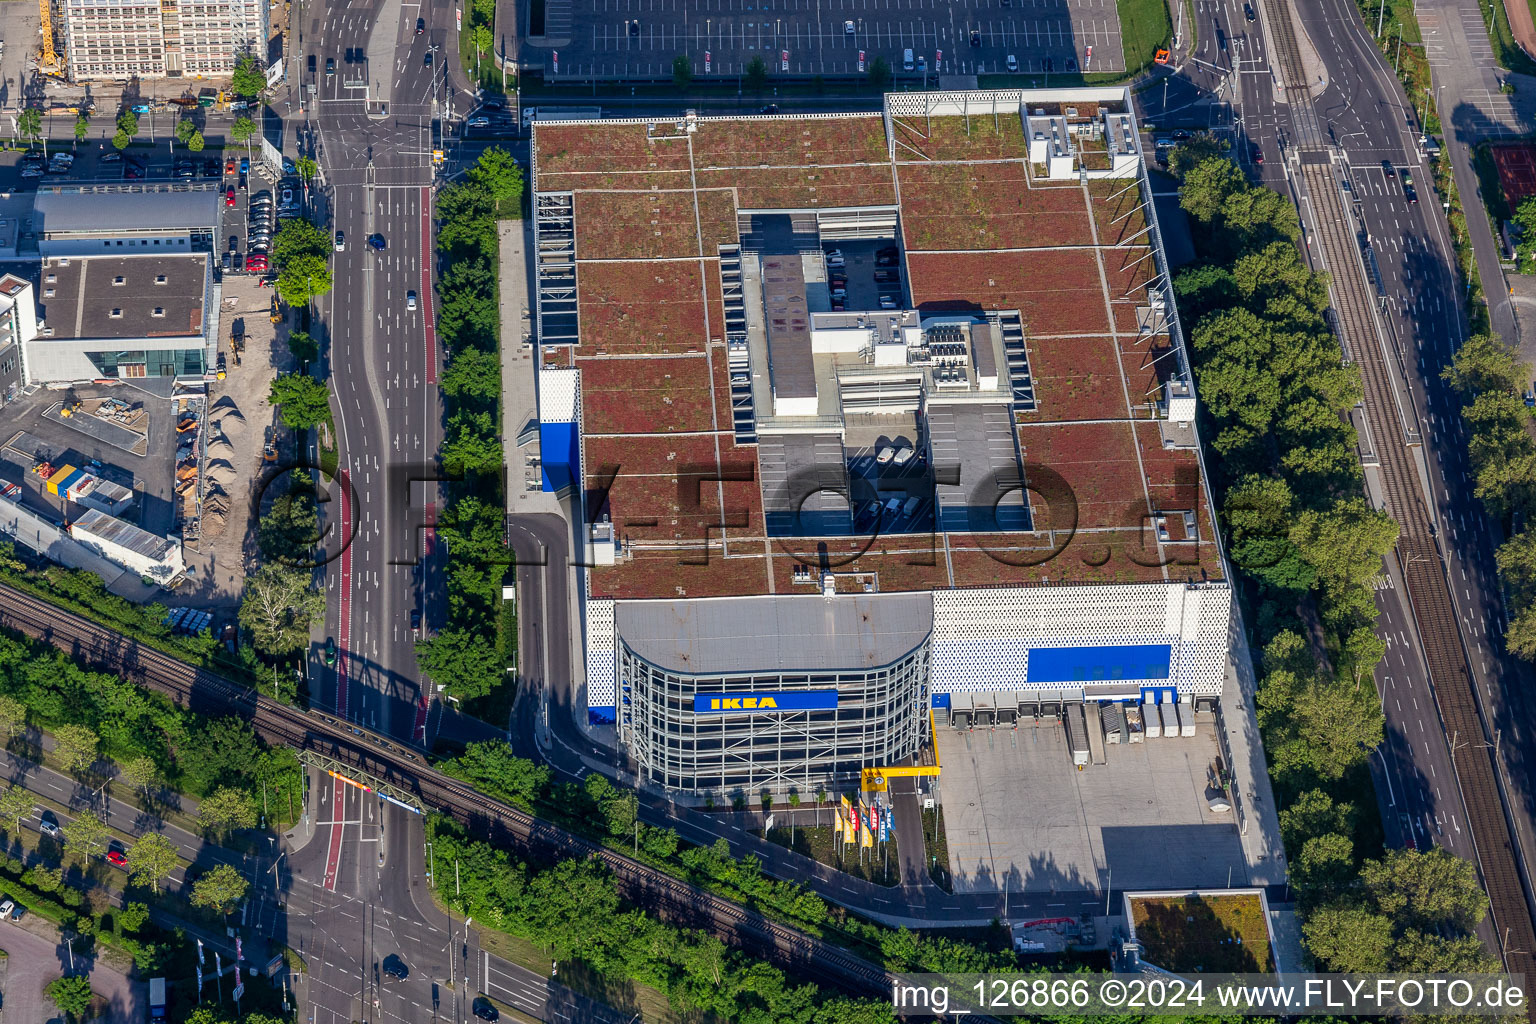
pixel 180 475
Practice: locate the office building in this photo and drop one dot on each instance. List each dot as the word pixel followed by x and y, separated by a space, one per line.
pixel 115 40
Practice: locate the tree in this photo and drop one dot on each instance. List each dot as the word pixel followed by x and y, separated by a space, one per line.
pixel 13 715
pixel 471 445
pixel 185 129
pixel 299 237
pixel 1346 544
pixel 500 175
pixel 1525 220
pixel 306 167
pixel 465 663
pixel 481 39
pixel 1259 511
pixel 682 71
pixel 472 374
pixel 1191 153
pixel 756 74
pixel 1349 938
pixel 196 142
pixel 16 803
pixel 302 401
pixel 121 139
pixel 1207 186
pixel 45 878
pixel 289 531
pixel 303 278
pixel 151 860
pixel 1363 651
pixel 277 608
pixel 133 917
pixel 1426 889
pixel 226 809
pixel 247 79
pixel 140 772
pixel 880 75
pixel 219 889
pixel 128 123
pixel 75 747
pixel 304 347
pixel 1485 363
pixel 82 127
pixel 72 995
pixel 491 766
pixel 1315 813
pixel 29 123
pixel 85 831
pixel 243 130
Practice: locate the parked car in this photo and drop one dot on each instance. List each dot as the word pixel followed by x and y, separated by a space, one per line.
pixel 257 264
pixel 239 262
pixel 479 122
pixel 7 907
pixel 1012 63
pixel 230 165
pixel 111 156
pixel 229 196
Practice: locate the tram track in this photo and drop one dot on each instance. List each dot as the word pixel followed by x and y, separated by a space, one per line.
pixel 673 899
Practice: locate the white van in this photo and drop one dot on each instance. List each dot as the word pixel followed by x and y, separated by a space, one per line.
pixel 906 60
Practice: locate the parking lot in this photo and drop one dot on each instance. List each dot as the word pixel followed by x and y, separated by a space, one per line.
pixel 1018 814
pixel 640 38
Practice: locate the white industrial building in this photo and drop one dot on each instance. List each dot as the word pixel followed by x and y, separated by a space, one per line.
pixel 18 326
pixel 115 40
pixel 152 320
pixel 47 539
pixel 126 218
pixel 139 551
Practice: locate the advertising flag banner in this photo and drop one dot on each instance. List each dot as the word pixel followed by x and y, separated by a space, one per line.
pixel 837 823
pixel 200 959
pixel 867 836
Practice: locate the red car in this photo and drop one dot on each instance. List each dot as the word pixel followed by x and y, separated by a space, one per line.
pixel 256 263
pixel 229 196
pixel 117 858
pixel 229 166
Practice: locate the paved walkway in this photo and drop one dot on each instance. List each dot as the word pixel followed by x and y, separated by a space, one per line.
pixel 35 955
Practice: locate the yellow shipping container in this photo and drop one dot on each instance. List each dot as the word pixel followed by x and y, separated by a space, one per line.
pixel 58 478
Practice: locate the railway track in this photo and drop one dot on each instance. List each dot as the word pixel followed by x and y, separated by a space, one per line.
pixel 1424 572
pixel 674 900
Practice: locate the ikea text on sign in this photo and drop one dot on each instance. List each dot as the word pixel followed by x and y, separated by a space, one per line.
pixel 764 703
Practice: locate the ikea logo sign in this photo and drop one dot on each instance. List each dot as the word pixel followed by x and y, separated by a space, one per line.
pixel 764 703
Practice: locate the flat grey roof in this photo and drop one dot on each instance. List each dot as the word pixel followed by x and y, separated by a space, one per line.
pixel 804 472
pixel 123 209
pixel 800 632
pixel 124 534
pixel 117 296
pixel 983 353
pixel 790 365
pixel 979 440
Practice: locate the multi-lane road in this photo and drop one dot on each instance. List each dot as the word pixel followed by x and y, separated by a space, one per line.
pixel 1371 132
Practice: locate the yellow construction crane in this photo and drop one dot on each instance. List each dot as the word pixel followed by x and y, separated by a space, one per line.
pixel 50 63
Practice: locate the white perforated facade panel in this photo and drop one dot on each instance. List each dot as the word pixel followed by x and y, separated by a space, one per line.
pixel 982 638
pixel 558 387
pixel 600 653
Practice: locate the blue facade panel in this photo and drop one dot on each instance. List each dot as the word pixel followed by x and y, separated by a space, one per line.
pixel 557 452
pixel 601 716
pixel 764 703
pixel 940 700
pixel 1095 664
